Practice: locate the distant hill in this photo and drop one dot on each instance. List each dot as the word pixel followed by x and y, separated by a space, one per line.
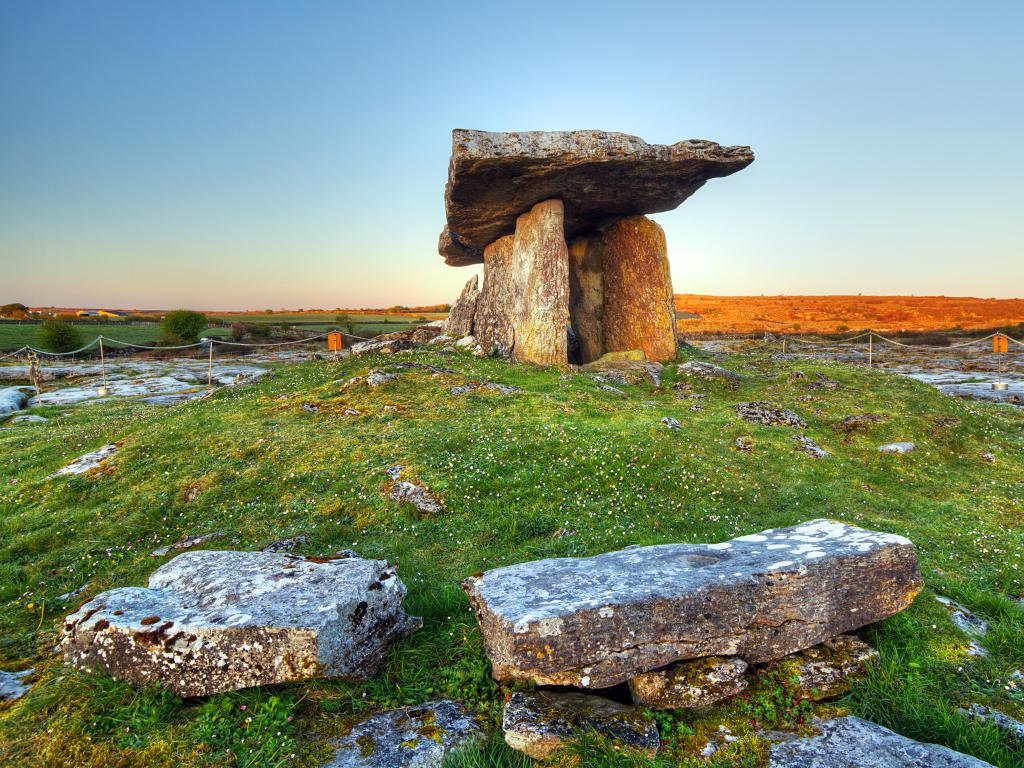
pixel 837 314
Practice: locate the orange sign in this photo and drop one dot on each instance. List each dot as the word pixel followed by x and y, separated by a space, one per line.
pixel 1000 343
pixel 334 341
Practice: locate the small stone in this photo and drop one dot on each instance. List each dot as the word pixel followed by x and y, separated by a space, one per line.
pixel 965 621
pixel 987 457
pixel 466 342
pixel 696 683
pixel 187 543
pixel 849 741
pixel 420 736
pixel 899 448
pixel 807 445
pixel 394 471
pixel 377 378
pixel 86 463
pixel 540 722
pixel 350 412
pixel 1008 725
pixel 708 371
pixel 654 372
pixel 416 495
pixel 311 408
pixel 823 671
pixel 73 593
pixel 287 545
pixel 11 685
pixel 744 443
pixel 31 418
pixel 211 622
pixel 760 412
pixel 462 389
pixel 860 421
pixel 671 423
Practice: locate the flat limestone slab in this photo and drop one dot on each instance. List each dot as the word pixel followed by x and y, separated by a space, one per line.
pixel 219 621
pixel 600 176
pixel 849 741
pixel 599 621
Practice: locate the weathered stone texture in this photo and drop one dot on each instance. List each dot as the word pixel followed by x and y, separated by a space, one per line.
pixel 540 255
pixel 500 298
pixel 218 621
pixel 540 722
pixel 586 299
pixel 824 671
pixel 459 322
pixel 600 176
pixel 638 309
pixel 599 621
pixel 688 684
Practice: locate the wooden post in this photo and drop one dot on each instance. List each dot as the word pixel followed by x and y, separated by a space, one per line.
pixel 870 350
pixel 209 369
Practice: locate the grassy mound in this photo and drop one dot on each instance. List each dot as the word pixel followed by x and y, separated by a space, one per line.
pixel 562 468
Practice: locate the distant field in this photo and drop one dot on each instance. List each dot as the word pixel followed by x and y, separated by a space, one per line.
pixel 327 317
pixel 15 336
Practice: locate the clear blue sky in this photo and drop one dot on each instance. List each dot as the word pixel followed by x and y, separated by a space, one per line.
pixel 293 154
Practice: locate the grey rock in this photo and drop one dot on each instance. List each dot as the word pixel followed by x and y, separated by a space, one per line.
pixel 689 684
pixel 187 543
pixel 31 418
pixel 11 685
pixel 394 471
pixel 1008 725
pixel 460 317
pixel 416 495
pixel 654 372
pixel 608 387
pixel 599 621
pixel 387 347
pixel 86 462
pixel 987 456
pixel 824 671
pixel 73 593
pixel 540 722
pixel 310 408
pixel 744 443
pixel 671 423
pixel 849 741
pixel 708 371
pixel 760 412
pixel 965 621
pixel 12 399
pixel 287 545
pixel 599 175
pixel 377 378
pixel 807 445
pixel 219 621
pixel 412 737
pixel 462 389
pixel 860 421
pixel 904 447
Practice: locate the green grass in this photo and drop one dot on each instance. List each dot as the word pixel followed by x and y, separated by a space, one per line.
pixel 14 336
pixel 512 472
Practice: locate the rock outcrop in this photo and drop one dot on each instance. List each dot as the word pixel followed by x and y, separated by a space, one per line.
pixel 558 221
pixel 219 621
pixel 413 737
pixel 850 741
pixel 539 722
pixel 599 621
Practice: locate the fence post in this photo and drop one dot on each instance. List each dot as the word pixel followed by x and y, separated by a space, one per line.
pixel 870 349
pixel 209 370
pixel 103 368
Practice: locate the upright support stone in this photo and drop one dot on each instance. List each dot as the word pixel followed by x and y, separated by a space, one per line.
pixel 460 318
pixel 499 299
pixel 541 259
pixel 586 298
pixel 638 307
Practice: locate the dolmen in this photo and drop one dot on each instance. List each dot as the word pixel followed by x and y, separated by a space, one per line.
pixel 214 621
pixel 681 623
pixel 558 221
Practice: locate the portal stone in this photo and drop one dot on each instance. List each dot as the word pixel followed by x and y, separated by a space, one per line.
pixel 499 299
pixel 460 317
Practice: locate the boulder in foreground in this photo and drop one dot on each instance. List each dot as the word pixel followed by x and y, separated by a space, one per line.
pixel 849 741
pixel 219 621
pixel 599 621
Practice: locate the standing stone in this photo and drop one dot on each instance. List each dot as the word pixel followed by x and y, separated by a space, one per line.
pixel 638 310
pixel 499 299
pixel 586 298
pixel 541 259
pixel 460 316
pixel 598 621
pixel 219 621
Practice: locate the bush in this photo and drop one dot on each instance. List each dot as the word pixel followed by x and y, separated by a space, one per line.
pixel 238 331
pixel 260 330
pixel 58 336
pixel 183 326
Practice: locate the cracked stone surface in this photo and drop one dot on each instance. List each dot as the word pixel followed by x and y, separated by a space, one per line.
pixel 599 621
pixel 849 741
pixel 86 462
pixel 709 371
pixel 219 621
pixel 413 737
pixel 540 722
pixel 600 176
pixel 759 412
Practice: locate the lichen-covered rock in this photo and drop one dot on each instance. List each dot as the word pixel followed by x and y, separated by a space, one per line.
pixel 823 671
pixel 759 412
pixel 187 543
pixel 11 685
pixel 539 254
pixel 1006 724
pixel 540 722
pixel 387 347
pixel 86 463
pixel 500 298
pixel 807 445
pixel 859 421
pixel 638 311
pixel 218 621
pixel 901 447
pixel 696 683
pixel 599 175
pixel 708 371
pixel 459 322
pixel 846 742
pixel 599 621
pixel 413 737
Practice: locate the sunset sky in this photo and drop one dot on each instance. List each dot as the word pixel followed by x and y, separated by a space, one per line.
pixel 293 154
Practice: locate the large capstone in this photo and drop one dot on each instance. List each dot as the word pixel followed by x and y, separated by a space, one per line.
pixel 599 621
pixel 218 621
pixel 849 741
pixel 600 176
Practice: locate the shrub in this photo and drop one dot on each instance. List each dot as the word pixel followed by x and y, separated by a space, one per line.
pixel 238 331
pixel 260 330
pixel 183 326
pixel 58 336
